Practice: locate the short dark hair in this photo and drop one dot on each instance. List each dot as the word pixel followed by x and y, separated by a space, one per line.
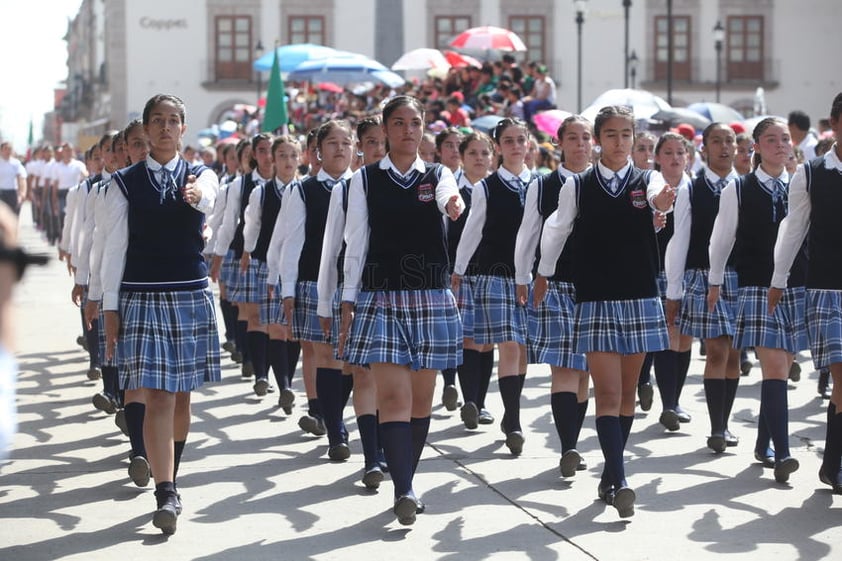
pixel 800 120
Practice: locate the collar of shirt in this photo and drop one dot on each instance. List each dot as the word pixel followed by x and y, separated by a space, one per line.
pixel 324 176
pixel 155 166
pixel 258 179
pixel 607 174
pixel 831 159
pixel 565 173
pixel 765 178
pixel 417 165
pixel 713 177
pixel 465 183
pixel 525 175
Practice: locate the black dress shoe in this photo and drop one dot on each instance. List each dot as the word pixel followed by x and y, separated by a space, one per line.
pixel 605 492
pixel 166 516
pixel 514 441
pixel 683 416
pixel 569 463
pixel 450 397
pixel 624 502
pixel 470 415
pixel 730 439
pixel 312 425
pixel 834 482
pixel 485 418
pixel 373 477
pixel 745 367
pixel 339 452
pixel 645 393
pixel 669 419
pixel 795 372
pixel 784 468
pixel 405 509
pixel 261 387
pixel 716 442
pixel 767 457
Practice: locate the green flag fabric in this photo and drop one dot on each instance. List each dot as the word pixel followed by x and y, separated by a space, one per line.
pixel 275 115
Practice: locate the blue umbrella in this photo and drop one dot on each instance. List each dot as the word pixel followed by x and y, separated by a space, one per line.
pixel 486 123
pixel 716 112
pixel 345 69
pixel 290 56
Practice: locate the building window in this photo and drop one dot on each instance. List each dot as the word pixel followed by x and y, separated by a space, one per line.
pixel 448 27
pixel 531 30
pixel 233 48
pixel 306 29
pixel 680 47
pixel 745 48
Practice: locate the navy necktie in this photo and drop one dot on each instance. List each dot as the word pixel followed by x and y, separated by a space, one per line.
pixel 778 196
pixel 168 187
pixel 720 185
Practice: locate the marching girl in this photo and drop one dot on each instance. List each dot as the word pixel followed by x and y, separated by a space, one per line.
pixel 305 217
pixel 156 301
pixel 447 152
pixel 616 320
pixel 814 208
pixel 490 231
pixel 476 151
pixel 330 296
pixel 687 267
pixel 672 152
pixel 395 292
pixel 230 237
pixel 550 339
pixel 750 214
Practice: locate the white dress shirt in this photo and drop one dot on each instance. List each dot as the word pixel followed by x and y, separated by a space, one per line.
pixel 10 170
pixel 725 227
pixel 794 227
pixel 559 224
pixel 217 214
pixel 231 218
pixel 472 233
pixel 66 175
pixel 675 259
pixel 357 229
pixel 85 242
pixel 69 211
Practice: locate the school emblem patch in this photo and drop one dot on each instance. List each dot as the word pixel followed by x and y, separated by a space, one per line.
pixel 426 193
pixel 638 198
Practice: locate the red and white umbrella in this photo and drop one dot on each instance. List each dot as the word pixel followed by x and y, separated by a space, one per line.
pixel 421 59
pixel 488 38
pixel 458 60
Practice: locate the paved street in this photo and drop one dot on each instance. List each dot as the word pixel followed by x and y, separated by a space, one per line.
pixel 254 487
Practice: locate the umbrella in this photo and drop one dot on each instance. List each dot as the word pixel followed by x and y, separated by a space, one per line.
pixel 678 115
pixel 486 122
pixel 644 104
pixel 421 59
pixel 290 56
pixel 330 87
pixel 488 38
pixel 458 60
pixel 345 70
pixel 549 121
pixel 716 112
pixel 749 124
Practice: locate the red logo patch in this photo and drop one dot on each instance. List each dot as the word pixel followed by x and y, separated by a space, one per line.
pixel 638 198
pixel 426 193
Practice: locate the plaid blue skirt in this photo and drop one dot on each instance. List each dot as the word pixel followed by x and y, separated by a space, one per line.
pixel 169 340
pixel 101 344
pixel 465 303
pixel 695 319
pixel 230 270
pixel 550 339
pixel 824 326
pixel 784 329
pixel 497 317
pixel 662 285
pixel 271 310
pixel 620 326
pixel 417 328
pixel 305 318
pixel 249 288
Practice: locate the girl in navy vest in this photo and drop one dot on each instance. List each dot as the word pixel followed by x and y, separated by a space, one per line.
pixel 490 231
pixel 396 302
pixel 752 209
pixel 687 266
pixel 476 151
pixel 262 212
pixel 815 204
pixel 672 152
pixel 447 152
pixel 305 216
pixel 617 319
pixel 155 291
pixel 329 307
pixel 550 339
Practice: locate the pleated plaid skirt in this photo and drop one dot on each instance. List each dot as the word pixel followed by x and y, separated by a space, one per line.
pixel 169 340
pixel 785 329
pixel 550 329
pixel 497 317
pixel 824 326
pixel 620 326
pixel 305 318
pixel 230 270
pixel 695 319
pixel 271 309
pixel 465 303
pixel 417 328
pixel 248 288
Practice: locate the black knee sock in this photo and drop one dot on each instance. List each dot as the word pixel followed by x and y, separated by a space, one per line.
pixel 257 343
pixel 486 368
pixel 681 367
pixel 134 421
pixel 397 447
pixel 314 407
pixel 646 370
pixel 242 339
pixel 626 422
pixel 565 415
pixel 775 409
pixel 611 441
pixel 715 398
pixel 420 427
pixel 731 385
pixel 666 375
pixel 367 425
pixel 832 459
pixel 229 318
pixel 178 450
pixel 329 392
pixel 510 387
pixel 293 352
pixel 276 352
pixel 92 337
pixel 110 381
pixel 581 412
pixel 449 376
pixel 347 388
pixel 469 374
pixel 763 436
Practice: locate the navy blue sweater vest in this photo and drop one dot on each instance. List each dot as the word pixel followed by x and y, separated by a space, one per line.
pixel 268 215
pixel 407 242
pixel 495 255
pixel 824 240
pixel 165 234
pixel 238 241
pixel 549 186
pixel 316 197
pixel 704 206
pixel 455 229
pixel 615 246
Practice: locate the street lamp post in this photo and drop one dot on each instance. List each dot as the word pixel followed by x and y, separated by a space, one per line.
pixel 579 7
pixel 718 39
pixel 626 6
pixel 633 62
pixel 258 52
